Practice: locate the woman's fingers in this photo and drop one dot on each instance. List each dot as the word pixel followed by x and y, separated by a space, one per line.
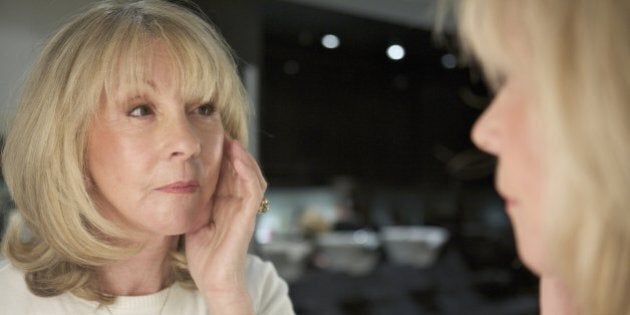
pixel 251 163
pixel 241 177
pixel 217 252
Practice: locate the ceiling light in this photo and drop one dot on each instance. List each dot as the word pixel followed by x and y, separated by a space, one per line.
pixel 330 41
pixel 396 52
pixel 449 61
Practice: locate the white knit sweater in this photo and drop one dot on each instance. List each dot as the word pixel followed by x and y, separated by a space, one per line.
pixel 268 291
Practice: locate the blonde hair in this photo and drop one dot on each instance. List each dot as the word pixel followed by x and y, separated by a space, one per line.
pixel 579 58
pixel 59 239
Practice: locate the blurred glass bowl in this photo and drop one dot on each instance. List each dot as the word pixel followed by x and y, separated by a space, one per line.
pixel 418 246
pixel 351 252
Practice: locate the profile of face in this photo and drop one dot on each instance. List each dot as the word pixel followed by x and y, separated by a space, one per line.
pixel 154 157
pixel 509 129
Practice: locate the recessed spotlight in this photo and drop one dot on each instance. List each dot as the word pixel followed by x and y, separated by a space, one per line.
pixel 330 41
pixel 396 52
pixel 449 61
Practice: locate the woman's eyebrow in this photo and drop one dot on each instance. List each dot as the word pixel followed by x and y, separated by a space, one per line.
pixel 138 96
pixel 152 84
pixel 134 98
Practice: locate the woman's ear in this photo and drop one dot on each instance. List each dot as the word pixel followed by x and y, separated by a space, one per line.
pixel 88 182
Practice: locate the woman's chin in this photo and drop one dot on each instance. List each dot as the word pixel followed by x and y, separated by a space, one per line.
pixel 531 259
pixel 194 224
pixel 176 227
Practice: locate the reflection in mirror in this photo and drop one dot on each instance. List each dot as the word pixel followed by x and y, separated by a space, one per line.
pixel 380 202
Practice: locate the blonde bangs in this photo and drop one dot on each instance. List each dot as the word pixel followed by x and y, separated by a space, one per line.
pixel 485 28
pixel 198 70
pixel 133 50
pixel 203 66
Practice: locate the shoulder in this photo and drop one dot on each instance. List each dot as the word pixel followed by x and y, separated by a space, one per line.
pixel 255 264
pixel 14 294
pixel 12 285
pixel 8 272
pixel 269 292
pixel 16 298
pixel 262 273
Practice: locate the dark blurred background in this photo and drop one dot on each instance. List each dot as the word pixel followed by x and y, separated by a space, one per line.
pixel 380 204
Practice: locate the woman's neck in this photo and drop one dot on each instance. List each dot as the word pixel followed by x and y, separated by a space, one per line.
pixel 147 272
pixel 555 298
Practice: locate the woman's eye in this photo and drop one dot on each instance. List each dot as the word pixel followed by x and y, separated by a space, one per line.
pixel 140 111
pixel 498 82
pixel 205 109
pixel 501 81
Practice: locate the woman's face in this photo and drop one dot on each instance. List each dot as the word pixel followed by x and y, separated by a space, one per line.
pixel 510 130
pixel 154 157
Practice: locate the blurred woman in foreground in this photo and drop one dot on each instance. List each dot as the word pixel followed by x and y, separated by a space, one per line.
pixel 560 128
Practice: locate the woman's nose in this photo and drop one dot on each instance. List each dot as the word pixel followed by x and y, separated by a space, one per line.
pixel 184 140
pixel 486 131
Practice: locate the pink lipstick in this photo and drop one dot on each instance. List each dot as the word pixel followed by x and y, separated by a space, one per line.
pixel 509 203
pixel 181 187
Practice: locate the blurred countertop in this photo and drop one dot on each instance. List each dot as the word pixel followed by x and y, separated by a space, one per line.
pixel 448 287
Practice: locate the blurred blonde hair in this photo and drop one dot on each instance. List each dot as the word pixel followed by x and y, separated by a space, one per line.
pixel 579 55
pixel 59 238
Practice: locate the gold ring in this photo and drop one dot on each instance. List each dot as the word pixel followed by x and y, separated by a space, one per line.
pixel 264 206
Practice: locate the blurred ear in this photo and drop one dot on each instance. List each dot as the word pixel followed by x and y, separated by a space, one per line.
pixel 89 182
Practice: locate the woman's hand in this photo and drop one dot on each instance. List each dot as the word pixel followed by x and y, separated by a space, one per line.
pixel 217 252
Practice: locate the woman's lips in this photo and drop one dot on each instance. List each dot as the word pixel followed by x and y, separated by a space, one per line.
pixel 181 187
pixel 508 200
pixel 509 203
